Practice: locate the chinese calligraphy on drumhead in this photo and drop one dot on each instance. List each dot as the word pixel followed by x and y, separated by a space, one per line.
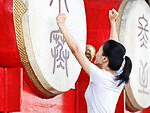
pixel 58 52
pixel 143 77
pixel 143 24
pixel 144 39
pixel 51 2
pixel 60 55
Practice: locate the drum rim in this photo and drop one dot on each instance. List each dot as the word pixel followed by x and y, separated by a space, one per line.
pixel 130 99
pixel 19 9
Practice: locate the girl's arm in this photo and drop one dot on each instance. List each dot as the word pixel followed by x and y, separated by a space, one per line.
pixel 113 14
pixel 73 45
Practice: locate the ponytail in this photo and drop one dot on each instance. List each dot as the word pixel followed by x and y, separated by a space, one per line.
pixel 124 76
pixel 115 52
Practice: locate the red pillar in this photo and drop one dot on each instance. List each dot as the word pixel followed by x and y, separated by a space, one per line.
pixel 10 89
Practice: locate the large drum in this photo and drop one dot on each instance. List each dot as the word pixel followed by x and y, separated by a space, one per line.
pixel 50 66
pixel 134 33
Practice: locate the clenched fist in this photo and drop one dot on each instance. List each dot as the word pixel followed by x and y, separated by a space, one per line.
pixel 113 14
pixel 61 18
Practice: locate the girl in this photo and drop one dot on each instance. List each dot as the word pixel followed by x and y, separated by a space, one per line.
pixel 105 83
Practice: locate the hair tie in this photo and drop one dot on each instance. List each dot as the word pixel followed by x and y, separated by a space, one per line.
pixel 121 68
pixel 124 57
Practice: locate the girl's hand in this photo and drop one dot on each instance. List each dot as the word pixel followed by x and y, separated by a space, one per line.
pixel 61 18
pixel 113 14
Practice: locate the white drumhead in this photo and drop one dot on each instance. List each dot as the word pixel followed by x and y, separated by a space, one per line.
pixel 49 56
pixel 135 36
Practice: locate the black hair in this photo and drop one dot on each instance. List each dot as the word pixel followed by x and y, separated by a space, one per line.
pixel 115 52
pixel 148 2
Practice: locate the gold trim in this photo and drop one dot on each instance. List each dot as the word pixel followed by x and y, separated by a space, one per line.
pixel 19 10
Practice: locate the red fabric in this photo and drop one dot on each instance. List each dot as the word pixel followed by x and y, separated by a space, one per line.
pixel 9 55
pixel 121 103
pixel 64 103
pixel 10 78
pixel 10 89
pixel 146 110
pixel 69 103
pixel 81 86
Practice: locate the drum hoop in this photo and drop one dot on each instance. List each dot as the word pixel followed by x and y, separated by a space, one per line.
pixel 19 9
pixel 131 102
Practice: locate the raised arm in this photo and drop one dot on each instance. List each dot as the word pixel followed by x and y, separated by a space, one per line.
pixel 113 14
pixel 73 45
